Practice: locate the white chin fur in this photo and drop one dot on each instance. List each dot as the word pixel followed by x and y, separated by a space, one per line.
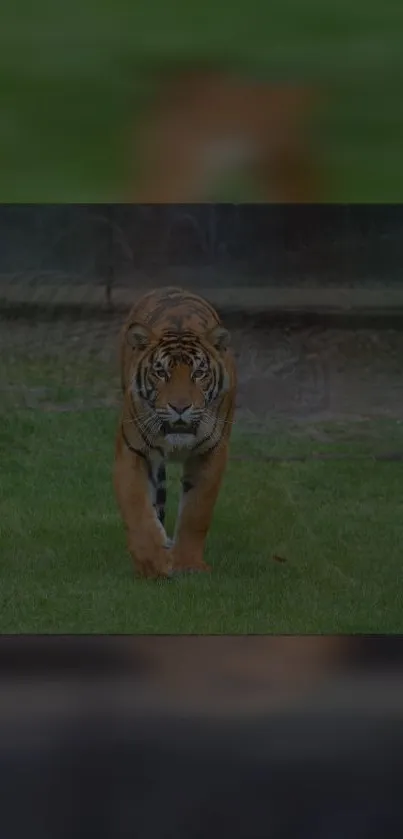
pixel 180 441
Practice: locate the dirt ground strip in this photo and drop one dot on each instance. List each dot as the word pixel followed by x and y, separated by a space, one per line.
pixel 289 372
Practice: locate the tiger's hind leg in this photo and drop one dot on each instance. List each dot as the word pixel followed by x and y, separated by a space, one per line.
pixel 161 493
pixel 161 498
pixel 135 481
pixel 201 483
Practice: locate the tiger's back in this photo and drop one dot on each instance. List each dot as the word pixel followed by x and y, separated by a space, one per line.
pixel 174 308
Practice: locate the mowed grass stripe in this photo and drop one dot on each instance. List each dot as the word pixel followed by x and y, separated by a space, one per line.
pixel 64 565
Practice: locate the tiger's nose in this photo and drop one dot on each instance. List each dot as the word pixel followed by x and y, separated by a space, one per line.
pixel 179 408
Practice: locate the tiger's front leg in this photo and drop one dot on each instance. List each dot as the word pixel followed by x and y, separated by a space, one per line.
pixel 146 537
pixel 201 483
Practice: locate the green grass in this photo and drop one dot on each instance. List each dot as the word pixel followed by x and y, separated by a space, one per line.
pixel 73 75
pixel 64 565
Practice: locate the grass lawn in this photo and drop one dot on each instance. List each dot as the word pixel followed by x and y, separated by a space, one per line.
pixel 339 525
pixel 75 76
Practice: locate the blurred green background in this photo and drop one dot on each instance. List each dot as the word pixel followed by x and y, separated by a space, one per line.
pixel 74 74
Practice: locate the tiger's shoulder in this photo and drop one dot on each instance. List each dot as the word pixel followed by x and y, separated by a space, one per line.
pixel 173 308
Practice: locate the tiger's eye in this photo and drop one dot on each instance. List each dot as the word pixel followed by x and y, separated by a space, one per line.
pixel 160 371
pixel 199 372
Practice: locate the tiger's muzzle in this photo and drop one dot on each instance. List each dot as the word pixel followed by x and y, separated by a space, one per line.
pixel 180 418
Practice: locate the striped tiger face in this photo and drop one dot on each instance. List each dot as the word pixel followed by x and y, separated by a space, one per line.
pixel 179 376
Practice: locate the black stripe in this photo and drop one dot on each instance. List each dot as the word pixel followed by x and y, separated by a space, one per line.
pixel 214 389
pixel 133 416
pixel 138 427
pixel 132 449
pixel 186 485
pixel 161 496
pixel 203 442
pixel 161 493
pixel 210 435
pixel 220 438
pixel 220 378
pixel 161 474
pixel 206 439
pixel 146 440
pixel 139 382
pixel 139 453
pixel 160 503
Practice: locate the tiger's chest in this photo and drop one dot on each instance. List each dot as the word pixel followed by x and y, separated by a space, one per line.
pixel 178 447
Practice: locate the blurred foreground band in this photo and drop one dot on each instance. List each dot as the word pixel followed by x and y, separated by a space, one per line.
pixel 209 125
pixel 245 103
pixel 195 737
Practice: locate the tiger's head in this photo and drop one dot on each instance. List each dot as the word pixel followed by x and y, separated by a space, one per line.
pixel 177 376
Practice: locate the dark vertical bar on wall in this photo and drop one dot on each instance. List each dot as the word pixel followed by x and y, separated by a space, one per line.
pixel 345 238
pixel 212 231
pixel 110 254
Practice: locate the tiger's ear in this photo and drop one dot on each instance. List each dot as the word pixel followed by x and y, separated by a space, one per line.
pixel 138 336
pixel 219 338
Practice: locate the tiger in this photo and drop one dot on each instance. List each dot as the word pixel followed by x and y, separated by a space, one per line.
pixel 209 123
pixel 178 379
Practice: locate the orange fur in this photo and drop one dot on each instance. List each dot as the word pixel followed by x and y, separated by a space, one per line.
pixel 178 382
pixel 209 121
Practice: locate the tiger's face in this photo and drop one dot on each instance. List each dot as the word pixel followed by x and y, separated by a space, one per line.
pixel 178 377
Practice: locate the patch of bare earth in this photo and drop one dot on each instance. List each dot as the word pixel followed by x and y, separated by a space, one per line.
pixel 317 374
pixel 287 373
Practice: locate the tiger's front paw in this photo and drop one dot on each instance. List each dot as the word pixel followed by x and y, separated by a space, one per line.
pixel 187 562
pixel 151 569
